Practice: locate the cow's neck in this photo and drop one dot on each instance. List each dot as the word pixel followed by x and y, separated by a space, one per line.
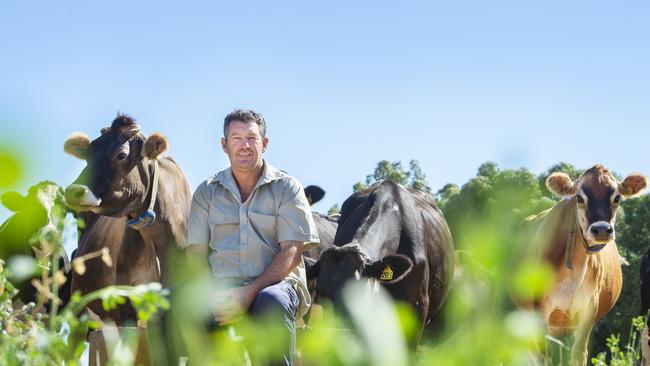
pixel 147 215
pixel 159 229
pixel 151 236
pixel 552 232
pixel 566 243
pixel 173 199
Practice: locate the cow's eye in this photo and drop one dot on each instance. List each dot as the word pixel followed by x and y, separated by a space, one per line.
pixel 122 156
pixel 617 199
pixel 580 200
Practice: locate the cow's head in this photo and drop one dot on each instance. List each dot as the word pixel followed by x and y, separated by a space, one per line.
pixel 597 195
pixel 314 194
pixel 38 215
pixel 339 265
pixel 116 177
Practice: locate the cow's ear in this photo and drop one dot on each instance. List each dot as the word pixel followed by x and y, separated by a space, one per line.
pixel 633 185
pixel 14 201
pixel 560 184
pixel 313 268
pixel 155 146
pixel 77 144
pixel 391 268
pixel 314 194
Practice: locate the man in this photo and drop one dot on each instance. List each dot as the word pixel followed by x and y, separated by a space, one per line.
pixel 253 221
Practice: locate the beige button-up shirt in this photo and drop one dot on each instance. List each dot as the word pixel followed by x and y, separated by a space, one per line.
pixel 244 237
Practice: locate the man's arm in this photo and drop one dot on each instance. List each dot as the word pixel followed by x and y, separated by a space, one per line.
pixel 286 261
pixel 198 230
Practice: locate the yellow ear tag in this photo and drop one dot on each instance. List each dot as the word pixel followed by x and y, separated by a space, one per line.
pixel 386 274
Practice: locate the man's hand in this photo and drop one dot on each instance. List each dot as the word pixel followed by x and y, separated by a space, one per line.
pixel 231 304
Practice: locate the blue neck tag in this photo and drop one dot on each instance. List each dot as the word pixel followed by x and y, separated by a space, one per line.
pixel 147 218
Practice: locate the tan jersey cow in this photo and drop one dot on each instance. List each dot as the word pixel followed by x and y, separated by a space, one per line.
pixel 576 238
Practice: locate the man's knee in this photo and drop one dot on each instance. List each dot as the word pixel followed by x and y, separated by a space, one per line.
pixel 278 298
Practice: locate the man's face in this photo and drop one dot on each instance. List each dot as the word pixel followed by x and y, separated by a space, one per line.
pixel 244 145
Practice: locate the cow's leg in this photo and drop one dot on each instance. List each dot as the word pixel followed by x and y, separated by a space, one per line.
pixel 579 350
pixel 645 345
pixel 423 309
pixel 161 251
pixel 422 301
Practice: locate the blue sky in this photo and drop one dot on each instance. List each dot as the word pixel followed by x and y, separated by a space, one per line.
pixel 341 84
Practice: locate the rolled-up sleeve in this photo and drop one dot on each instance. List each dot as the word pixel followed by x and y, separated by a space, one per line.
pixel 295 221
pixel 198 228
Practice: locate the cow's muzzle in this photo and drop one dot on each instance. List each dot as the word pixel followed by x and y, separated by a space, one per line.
pixel 79 196
pixel 601 232
pixel 596 248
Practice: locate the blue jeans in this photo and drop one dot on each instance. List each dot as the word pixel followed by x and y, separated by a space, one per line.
pixel 280 298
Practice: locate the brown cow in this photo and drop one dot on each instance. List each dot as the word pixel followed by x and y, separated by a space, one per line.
pixel 576 238
pixel 135 203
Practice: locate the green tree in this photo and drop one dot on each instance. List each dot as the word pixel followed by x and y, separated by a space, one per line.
pixel 446 192
pixel 501 197
pixel 414 177
pixel 488 169
pixel 334 209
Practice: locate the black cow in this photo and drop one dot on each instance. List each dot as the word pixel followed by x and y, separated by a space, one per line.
pixel 33 230
pixel 325 226
pixel 397 236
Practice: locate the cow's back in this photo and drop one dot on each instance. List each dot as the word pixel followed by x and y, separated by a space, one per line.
pixel 440 254
pixel 326 227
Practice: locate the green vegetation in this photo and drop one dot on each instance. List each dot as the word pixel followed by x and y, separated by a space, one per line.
pixel 479 324
pixel 630 354
pixel 32 336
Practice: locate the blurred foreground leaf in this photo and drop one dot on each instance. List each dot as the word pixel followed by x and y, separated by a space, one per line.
pixel 10 168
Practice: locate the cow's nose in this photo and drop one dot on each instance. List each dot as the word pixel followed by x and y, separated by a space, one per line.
pixel 600 229
pixel 75 192
pixel 78 194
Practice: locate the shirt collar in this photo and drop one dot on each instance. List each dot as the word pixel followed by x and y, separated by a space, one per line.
pixel 227 180
pixel 269 174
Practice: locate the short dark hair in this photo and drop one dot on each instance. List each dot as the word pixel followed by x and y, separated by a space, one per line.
pixel 244 115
